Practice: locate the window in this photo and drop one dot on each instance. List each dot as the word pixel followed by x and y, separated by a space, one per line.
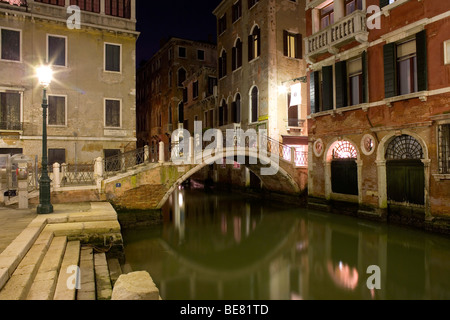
pixel 185 95
pixel 182 52
pixel 292 113
pixel 292 45
pixel 223 24
pixel 236 109
pixel 181 77
pixel 254 44
pixel 444 149
pixel 327 16
pixel 55 2
pixel 222 113
pixel 195 89
pixel 237 11
pixel 405 66
pixel 170 78
pixel 236 62
pixel 201 55
pixel 10 111
pixel 56 156
pixel 56 110
pixel 223 64
pixel 447 52
pixel 10 45
pixel 352 5
pixel 254 97
pixel 355 81
pixel 212 82
pixel 113 57
pixel 56 50
pixel 251 3
pixel 112 113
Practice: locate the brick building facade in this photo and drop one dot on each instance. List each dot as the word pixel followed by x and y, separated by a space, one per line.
pixel 379 111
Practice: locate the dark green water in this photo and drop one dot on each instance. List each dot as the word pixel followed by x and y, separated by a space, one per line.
pixel 227 247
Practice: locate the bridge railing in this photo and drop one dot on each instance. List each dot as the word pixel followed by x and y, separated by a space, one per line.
pixel 297 157
pixel 124 161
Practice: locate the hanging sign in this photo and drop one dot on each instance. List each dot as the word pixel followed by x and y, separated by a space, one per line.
pixel 296 94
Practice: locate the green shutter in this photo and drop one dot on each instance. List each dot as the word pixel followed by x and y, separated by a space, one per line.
pixel 365 79
pixel 341 84
pixel 422 67
pixel 250 47
pixel 390 83
pixel 327 94
pixel 314 91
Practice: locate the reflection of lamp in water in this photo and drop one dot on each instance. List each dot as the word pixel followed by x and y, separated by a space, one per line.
pixel 343 275
pixel 180 200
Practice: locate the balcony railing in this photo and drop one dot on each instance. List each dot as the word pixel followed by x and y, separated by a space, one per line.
pixel 349 28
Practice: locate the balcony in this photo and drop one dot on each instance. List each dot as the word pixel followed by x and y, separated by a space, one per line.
pixel 349 28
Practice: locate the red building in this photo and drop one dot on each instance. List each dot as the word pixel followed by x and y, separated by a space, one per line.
pixel 379 109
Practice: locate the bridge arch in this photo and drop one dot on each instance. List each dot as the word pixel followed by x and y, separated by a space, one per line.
pixel 281 182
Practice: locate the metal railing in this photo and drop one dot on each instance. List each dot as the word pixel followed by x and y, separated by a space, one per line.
pixel 124 161
pixel 79 174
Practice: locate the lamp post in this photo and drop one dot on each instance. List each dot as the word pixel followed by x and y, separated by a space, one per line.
pixel 44 74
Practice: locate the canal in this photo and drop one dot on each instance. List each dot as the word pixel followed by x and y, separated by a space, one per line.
pixel 224 246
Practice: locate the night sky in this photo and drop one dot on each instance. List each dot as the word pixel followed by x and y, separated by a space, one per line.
pixel 189 19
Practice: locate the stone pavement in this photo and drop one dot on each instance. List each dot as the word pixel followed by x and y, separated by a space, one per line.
pixel 12 223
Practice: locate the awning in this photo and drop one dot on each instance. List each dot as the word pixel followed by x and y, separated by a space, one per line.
pixel 295 140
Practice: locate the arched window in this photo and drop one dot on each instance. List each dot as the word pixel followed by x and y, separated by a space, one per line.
pixel 181 76
pixel 170 114
pixel 404 148
pixel 345 150
pixel 223 64
pixel 237 55
pixel 236 109
pixel 254 97
pixel 254 44
pixel 223 113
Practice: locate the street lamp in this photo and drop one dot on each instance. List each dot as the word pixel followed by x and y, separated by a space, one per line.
pixel 45 75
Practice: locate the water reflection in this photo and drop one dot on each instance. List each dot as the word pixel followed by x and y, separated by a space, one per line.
pixel 228 247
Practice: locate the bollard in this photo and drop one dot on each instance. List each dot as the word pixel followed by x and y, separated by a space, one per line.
pixel 56 175
pixel 161 152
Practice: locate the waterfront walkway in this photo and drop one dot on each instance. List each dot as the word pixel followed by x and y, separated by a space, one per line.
pixel 40 253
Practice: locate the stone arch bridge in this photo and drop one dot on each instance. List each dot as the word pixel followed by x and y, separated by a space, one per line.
pixel 131 181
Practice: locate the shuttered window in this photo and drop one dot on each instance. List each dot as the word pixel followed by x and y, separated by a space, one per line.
pixel 56 50
pixel 112 57
pixel 254 44
pixel 292 45
pixel 341 84
pixel 327 88
pixel 10 45
pixel 314 91
pixel 112 113
pixel 56 111
pixel 405 66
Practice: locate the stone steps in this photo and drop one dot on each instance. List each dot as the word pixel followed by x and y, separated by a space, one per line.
pixel 42 262
pixel 44 284
pixel 71 258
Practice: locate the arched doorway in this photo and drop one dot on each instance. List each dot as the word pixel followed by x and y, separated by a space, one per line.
pixel 405 171
pixel 344 169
